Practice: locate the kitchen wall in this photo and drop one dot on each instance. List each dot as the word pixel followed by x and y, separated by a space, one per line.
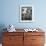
pixel 10 13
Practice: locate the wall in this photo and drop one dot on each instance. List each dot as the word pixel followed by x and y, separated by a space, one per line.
pixel 10 13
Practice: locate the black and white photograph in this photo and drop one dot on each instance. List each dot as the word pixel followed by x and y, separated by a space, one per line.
pixel 26 13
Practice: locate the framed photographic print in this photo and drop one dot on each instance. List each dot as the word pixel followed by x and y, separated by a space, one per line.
pixel 26 13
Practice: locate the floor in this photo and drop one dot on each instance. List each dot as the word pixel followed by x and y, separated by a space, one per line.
pixel 0 44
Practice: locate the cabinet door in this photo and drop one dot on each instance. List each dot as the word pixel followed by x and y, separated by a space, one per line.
pixel 13 40
pixel 27 40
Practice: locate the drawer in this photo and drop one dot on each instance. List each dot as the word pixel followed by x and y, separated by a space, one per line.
pixel 34 33
pixel 10 38
pixel 8 45
pixel 37 39
pixel 37 44
pixel 14 44
pixel 13 33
